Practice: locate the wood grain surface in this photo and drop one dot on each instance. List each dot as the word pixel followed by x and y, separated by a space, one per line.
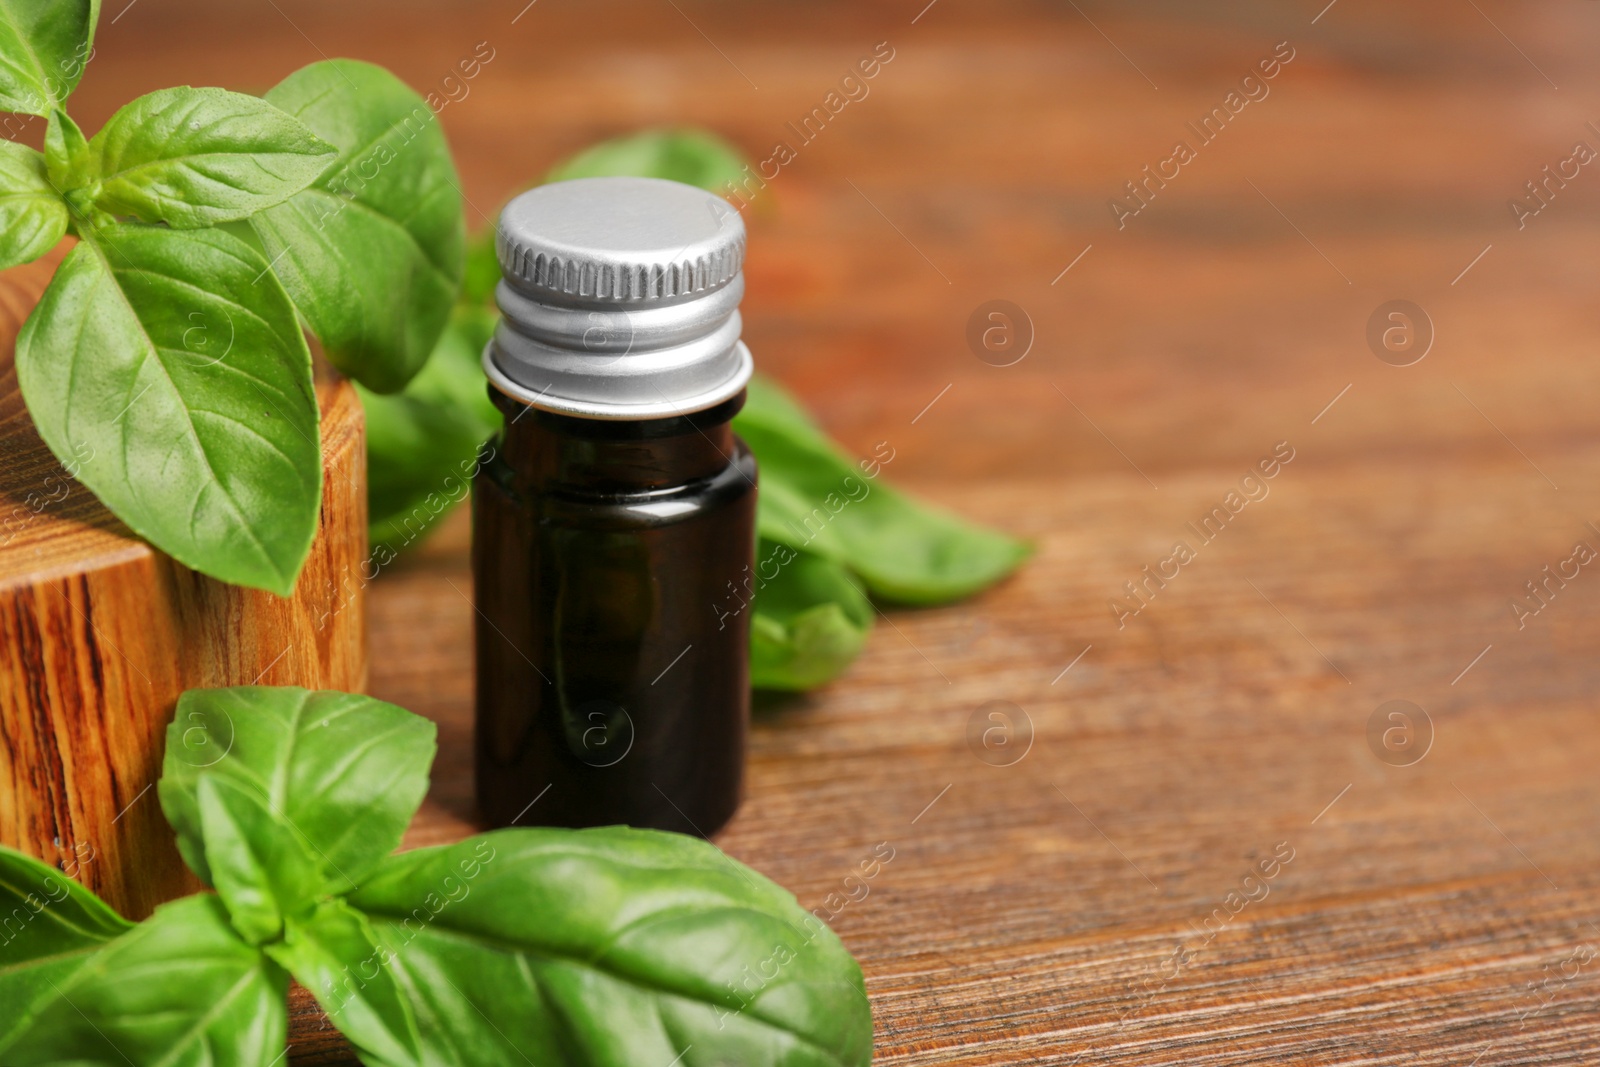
pixel 100 634
pixel 1100 899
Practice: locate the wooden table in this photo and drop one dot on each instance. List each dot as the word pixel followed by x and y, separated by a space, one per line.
pixel 1055 911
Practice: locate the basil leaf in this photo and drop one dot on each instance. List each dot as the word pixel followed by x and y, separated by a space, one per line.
pixel 612 947
pixel 260 868
pixel 180 988
pixel 174 361
pixel 423 442
pixel 813 497
pixel 372 252
pixel 67 161
pixel 33 217
pixel 333 953
pixel 346 771
pixel 49 927
pixel 44 46
pixel 811 619
pixel 196 157
pixel 694 157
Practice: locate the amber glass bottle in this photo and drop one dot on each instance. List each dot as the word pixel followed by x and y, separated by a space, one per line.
pixel 614 513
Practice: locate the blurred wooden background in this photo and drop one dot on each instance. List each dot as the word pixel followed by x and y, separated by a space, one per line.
pixel 1053 911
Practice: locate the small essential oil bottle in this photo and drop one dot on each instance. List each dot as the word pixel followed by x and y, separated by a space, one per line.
pixel 614 513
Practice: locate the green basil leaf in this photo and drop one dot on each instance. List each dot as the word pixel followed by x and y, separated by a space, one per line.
pixel 346 771
pixel 423 442
pixel 68 161
pixel 811 619
pixel 33 217
pixel 372 252
pixel 334 954
pixel 258 863
pixel 44 46
pixel 174 361
pixel 179 989
pixel 612 947
pixel 49 927
pixel 813 497
pixel 804 650
pixel 691 156
pixel 196 157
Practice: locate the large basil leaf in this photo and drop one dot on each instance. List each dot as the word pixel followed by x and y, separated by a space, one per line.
pixel 372 252
pixel 49 927
pixel 174 361
pixel 333 953
pixel 614 948
pixel 258 863
pixel 345 771
pixel 814 497
pixel 32 216
pixel 195 157
pixel 691 156
pixel 811 619
pixel 180 989
pixel 423 441
pixel 44 46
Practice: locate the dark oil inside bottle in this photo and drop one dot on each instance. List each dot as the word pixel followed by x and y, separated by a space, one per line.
pixel 613 630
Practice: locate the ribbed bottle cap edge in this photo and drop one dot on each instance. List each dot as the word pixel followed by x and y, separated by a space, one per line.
pixel 621 282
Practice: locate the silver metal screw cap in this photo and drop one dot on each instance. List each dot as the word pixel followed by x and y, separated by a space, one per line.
pixel 620 299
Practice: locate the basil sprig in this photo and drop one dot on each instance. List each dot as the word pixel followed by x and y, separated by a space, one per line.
pixel 816 498
pixel 605 948
pixel 166 358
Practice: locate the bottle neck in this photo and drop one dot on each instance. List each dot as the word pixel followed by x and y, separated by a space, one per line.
pixel 550 452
